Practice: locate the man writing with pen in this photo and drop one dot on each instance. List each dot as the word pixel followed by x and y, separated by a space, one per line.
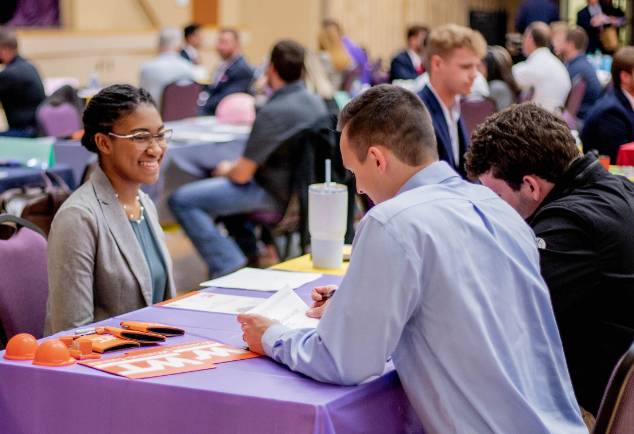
pixel 444 279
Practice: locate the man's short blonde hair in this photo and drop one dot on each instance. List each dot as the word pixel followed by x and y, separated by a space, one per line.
pixel 444 39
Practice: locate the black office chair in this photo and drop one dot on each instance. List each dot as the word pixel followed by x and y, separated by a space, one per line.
pixel 307 151
pixel 616 414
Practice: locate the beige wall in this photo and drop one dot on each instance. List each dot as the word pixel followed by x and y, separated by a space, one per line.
pixel 109 15
pixel 264 22
pixel 114 37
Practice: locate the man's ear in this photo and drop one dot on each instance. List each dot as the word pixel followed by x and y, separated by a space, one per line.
pixel 435 62
pixel 103 143
pixel 378 155
pixel 533 187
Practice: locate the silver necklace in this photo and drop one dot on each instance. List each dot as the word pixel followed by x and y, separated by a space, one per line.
pixel 130 214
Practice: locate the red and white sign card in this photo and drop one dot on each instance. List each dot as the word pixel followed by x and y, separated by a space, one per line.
pixel 172 359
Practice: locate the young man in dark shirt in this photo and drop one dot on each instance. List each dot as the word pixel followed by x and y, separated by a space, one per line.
pixel 582 217
pixel 260 179
pixel 21 89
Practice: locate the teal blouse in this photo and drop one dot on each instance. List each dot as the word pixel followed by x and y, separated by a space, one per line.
pixel 153 257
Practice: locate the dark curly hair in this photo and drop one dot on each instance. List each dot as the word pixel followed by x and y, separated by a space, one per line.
pixel 107 107
pixel 522 140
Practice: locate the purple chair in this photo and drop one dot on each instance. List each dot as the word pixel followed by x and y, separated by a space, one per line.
pixel 58 120
pixel 616 414
pixel 474 112
pixel 24 282
pixel 573 102
pixel 180 100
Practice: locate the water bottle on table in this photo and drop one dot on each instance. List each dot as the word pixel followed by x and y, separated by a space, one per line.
pixel 327 218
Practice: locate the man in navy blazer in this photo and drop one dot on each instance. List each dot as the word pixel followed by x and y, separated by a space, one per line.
pixel 610 122
pixel 453 54
pixel 408 64
pixel 234 74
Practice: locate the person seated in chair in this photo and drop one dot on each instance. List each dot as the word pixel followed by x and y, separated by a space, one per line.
pixel 581 215
pixel 21 89
pixel 106 250
pixel 470 331
pixel 408 64
pixel 168 67
pixel 234 73
pixel 610 122
pixel 260 179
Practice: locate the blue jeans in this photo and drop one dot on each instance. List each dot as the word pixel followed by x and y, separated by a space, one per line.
pixel 198 204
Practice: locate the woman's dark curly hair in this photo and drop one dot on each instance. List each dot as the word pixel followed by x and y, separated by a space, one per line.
pixel 107 107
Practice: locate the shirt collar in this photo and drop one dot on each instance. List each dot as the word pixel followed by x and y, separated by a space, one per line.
pixel 455 108
pixel 594 9
pixel 288 88
pixel 629 97
pixel 435 173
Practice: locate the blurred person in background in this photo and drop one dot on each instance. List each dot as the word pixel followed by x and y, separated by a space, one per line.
pixel 21 89
pixel 316 81
pixel 362 70
pixel 542 71
pixel 234 73
pixel 408 64
pixel 193 42
pixel 260 179
pixel 503 88
pixel 574 54
pixel 167 68
pixel 558 31
pixel 334 56
pixel 598 17
pixel 530 11
pixel 453 55
pixel 610 122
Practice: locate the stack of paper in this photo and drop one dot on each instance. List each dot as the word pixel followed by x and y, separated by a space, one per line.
pixel 262 280
pixel 287 308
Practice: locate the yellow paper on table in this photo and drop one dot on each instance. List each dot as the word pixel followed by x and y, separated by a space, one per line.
pixel 305 264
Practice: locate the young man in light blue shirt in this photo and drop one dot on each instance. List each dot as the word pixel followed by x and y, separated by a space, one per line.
pixel 444 278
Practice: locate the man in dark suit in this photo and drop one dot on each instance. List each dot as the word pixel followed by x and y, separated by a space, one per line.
pixel 595 17
pixel 452 56
pixel 530 11
pixel 234 74
pixel 408 64
pixel 21 89
pixel 193 42
pixel 610 122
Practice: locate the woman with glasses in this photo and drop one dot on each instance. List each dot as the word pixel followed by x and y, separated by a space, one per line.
pixel 106 250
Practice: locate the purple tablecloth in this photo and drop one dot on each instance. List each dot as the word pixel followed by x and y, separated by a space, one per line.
pixel 248 396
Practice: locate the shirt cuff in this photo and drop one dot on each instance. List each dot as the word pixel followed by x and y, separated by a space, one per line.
pixel 271 335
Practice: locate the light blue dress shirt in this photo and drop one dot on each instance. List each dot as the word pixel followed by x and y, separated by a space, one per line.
pixel 445 279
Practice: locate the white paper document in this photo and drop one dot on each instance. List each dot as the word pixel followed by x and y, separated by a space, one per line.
pixel 218 303
pixel 286 307
pixel 262 280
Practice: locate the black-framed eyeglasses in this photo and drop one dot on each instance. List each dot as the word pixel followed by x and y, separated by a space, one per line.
pixel 143 139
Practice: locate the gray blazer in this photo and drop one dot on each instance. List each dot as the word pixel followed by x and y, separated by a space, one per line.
pixel 96 267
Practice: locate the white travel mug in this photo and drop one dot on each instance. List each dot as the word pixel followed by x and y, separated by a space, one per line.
pixel 327 221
